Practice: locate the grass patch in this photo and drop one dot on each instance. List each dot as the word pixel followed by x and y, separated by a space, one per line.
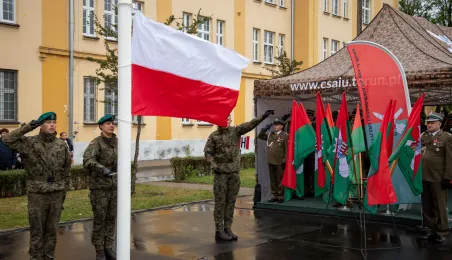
pixel 247 178
pixel 77 204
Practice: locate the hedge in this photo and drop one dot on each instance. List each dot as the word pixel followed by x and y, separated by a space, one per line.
pixel 13 182
pixel 183 167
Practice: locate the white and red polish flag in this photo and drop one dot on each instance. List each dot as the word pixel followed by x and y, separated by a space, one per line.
pixel 180 75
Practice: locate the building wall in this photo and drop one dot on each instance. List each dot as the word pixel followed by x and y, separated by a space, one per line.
pixel 19 50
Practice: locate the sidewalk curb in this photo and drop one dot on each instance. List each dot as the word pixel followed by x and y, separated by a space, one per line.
pixel 21 229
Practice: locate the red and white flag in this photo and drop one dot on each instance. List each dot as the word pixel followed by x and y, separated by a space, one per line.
pixel 180 75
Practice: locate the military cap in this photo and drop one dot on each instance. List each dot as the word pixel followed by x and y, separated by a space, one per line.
pixel 106 118
pixel 47 116
pixel 434 117
pixel 278 122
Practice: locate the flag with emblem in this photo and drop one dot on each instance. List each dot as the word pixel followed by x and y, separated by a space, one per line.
pixel 323 145
pixel 358 147
pixel 343 155
pixel 380 190
pixel 301 144
pixel 408 151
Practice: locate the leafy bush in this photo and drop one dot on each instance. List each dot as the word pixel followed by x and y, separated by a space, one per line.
pixel 13 182
pixel 183 167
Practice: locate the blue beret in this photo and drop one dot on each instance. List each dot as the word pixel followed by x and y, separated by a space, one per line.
pixel 106 118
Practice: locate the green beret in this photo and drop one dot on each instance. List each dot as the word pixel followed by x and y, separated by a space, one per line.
pixel 434 117
pixel 278 122
pixel 106 118
pixel 47 116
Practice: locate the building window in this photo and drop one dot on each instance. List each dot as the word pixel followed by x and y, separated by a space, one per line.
pixel 204 30
pixel 366 11
pixel 281 44
pixel 270 1
pixel 345 9
pixel 8 95
pixel 111 102
pixel 335 7
pixel 186 121
pixel 268 47
pixel 8 11
pixel 89 100
pixel 281 3
pixel 137 6
pixel 325 5
pixel 325 48
pixel 256 33
pixel 135 119
pixel 88 17
pixel 334 47
pixel 111 19
pixel 186 21
pixel 203 123
pixel 220 32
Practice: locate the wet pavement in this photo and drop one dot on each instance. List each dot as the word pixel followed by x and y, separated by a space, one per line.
pixel 187 232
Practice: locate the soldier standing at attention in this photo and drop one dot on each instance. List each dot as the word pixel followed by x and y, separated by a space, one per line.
pixel 436 167
pixel 47 165
pixel 276 157
pixel 100 159
pixel 222 151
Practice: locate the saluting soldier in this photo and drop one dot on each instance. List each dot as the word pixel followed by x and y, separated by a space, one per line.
pixel 436 167
pixel 47 164
pixel 100 159
pixel 276 157
pixel 222 151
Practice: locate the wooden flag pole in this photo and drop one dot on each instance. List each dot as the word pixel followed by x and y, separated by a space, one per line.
pixel 393 166
pixel 329 168
pixel 354 169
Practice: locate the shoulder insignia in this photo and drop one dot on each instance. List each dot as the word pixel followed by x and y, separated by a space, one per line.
pixel 92 142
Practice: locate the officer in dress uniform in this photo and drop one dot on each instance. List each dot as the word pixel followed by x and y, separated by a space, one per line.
pixel 436 168
pixel 100 159
pixel 276 157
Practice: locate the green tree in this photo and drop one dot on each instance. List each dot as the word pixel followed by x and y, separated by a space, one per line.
pixel 442 12
pixel 107 72
pixel 418 8
pixel 284 66
pixel 436 11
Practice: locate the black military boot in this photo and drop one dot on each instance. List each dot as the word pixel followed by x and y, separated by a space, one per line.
pixel 221 235
pixel 110 254
pixel 229 232
pixel 100 255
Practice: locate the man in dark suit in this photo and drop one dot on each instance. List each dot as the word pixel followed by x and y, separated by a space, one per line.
pixel 69 144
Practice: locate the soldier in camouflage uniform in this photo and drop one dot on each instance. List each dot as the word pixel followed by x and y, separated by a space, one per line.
pixel 100 159
pixel 222 151
pixel 47 163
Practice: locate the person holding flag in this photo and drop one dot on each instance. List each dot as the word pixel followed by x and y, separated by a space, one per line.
pixel 436 168
pixel 276 157
pixel 222 151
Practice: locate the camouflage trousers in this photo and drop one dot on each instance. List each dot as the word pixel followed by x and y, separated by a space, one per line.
pixel 226 187
pixel 103 203
pixel 44 212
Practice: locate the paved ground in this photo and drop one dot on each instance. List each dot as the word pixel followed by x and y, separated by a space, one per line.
pixel 186 232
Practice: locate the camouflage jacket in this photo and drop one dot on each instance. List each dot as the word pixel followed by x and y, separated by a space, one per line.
pixel 101 152
pixel 47 160
pixel 222 149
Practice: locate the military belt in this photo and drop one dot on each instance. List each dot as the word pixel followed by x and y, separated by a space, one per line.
pixel 49 179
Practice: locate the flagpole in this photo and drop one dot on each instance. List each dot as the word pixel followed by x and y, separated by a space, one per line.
pixel 354 166
pixel 361 176
pixel 124 127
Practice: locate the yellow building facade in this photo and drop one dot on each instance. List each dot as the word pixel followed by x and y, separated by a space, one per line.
pixel 34 63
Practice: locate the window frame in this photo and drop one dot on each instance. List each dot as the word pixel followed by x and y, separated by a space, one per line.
pixel 345 8
pixel 186 19
pixel 256 52
pixel 201 30
pixel 186 121
pixel 220 35
pixel 281 43
pixel 270 1
pixel 326 3
pixel 335 7
pixel 366 10
pixel 282 3
pixel 203 123
pixel 114 19
pixel 14 21
pixel 89 16
pixel 113 108
pixel 15 92
pixel 88 95
pixel 334 43
pixel 325 48
pixel 270 47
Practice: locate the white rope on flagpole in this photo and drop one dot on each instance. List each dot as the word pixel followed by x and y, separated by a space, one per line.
pixel 124 128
